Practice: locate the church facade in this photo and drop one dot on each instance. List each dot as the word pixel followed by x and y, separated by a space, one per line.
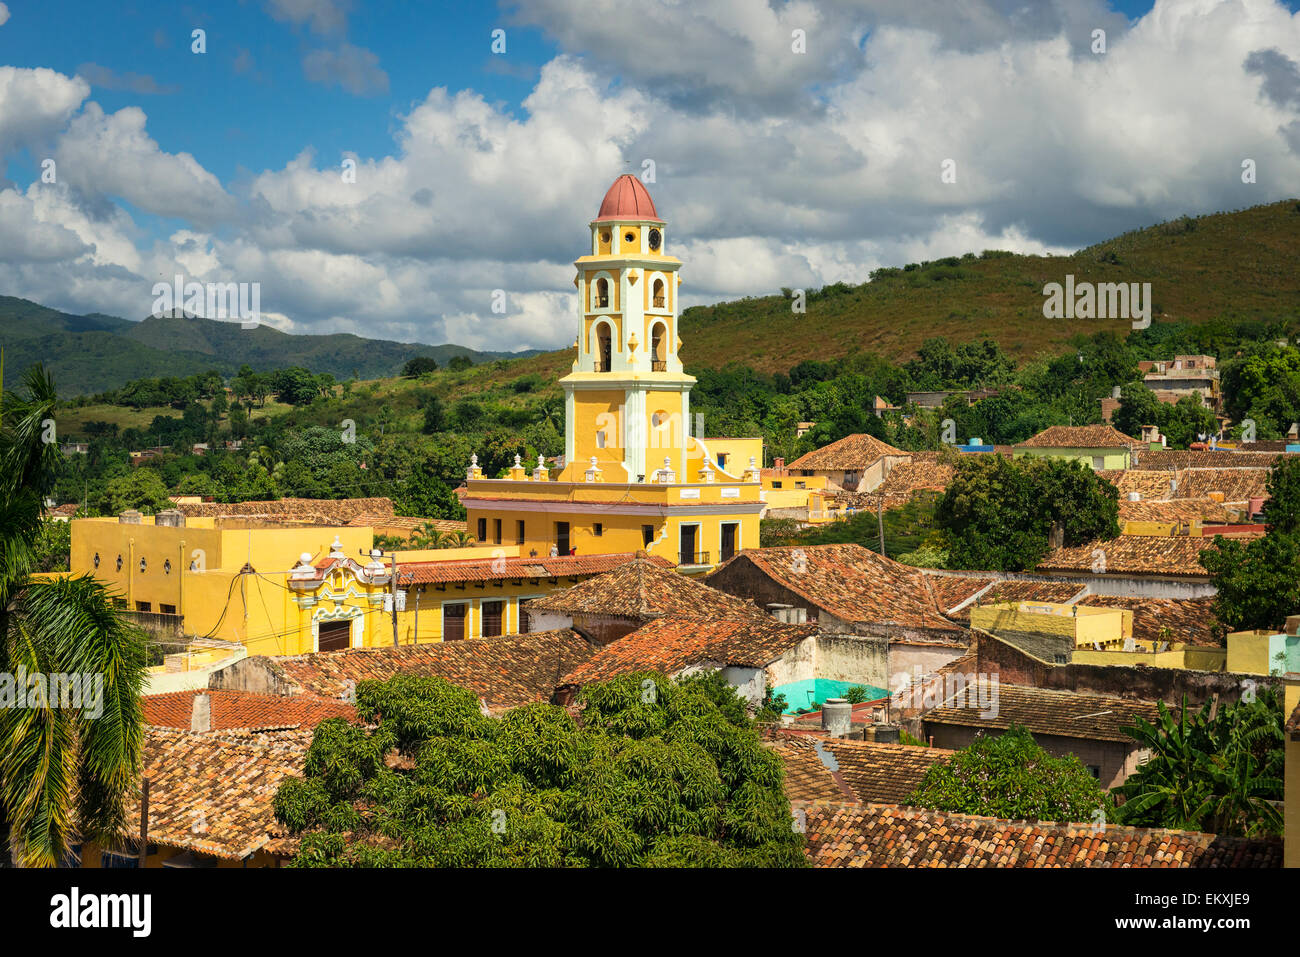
pixel 634 476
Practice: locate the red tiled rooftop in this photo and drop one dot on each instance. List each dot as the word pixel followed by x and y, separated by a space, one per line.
pixel 244 710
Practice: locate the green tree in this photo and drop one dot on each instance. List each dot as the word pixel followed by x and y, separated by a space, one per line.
pixel 659 773
pixel 419 366
pixel 997 513
pixel 64 772
pixel 1010 776
pixel 460 363
pixel 1219 772
pixel 1257 581
pixel 141 489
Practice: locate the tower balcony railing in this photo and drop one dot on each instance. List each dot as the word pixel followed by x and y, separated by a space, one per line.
pixel 658 365
pixel 602 302
pixel 659 302
pixel 692 558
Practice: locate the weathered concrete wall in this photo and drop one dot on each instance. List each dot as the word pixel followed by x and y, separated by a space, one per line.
pixel 845 658
pixel 547 620
pixel 1056 649
pixel 743 580
pixel 911 658
pixel 797 664
pixel 602 629
pixel 253 674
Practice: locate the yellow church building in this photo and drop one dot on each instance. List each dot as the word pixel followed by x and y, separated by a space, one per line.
pixel 635 477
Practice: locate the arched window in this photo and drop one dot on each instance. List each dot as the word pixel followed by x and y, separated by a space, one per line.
pixel 602 293
pixel 659 294
pixel 604 348
pixel 658 348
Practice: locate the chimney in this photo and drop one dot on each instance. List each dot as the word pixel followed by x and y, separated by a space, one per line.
pixel 837 717
pixel 778 464
pixel 201 713
pixel 170 517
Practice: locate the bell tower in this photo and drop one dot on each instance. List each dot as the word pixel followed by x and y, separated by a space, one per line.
pixel 627 398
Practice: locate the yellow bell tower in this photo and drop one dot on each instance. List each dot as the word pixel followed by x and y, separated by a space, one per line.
pixel 634 476
pixel 627 400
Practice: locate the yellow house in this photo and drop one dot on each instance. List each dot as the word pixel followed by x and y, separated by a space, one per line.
pixel 211 577
pixel 1291 776
pixel 288 589
pixel 1089 626
pixel 634 477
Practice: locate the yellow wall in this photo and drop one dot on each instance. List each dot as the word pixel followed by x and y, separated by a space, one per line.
pixel 1085 624
pixel 91 857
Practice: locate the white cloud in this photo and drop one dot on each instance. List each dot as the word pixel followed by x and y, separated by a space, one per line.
pixel 354 68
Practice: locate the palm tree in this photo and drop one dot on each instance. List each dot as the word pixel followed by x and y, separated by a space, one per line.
pixel 461 539
pixel 64 772
pixel 428 535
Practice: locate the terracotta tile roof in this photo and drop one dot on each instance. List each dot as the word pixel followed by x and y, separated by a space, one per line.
pixel 668 645
pixel 645 587
pixel 1064 713
pixel 872 773
pixel 951 590
pixel 1180 459
pixel 1236 484
pixel 319 511
pixel 879 835
pixel 851 583
pixel 244 710
pixel 851 452
pixel 211 795
pixel 1133 554
pixel 500 569
pixel 904 480
pixel 406 522
pixel 1061 592
pixel 1149 483
pixel 504 671
pixel 1188 619
pixel 63 511
pixel 1078 437
pixel 1179 511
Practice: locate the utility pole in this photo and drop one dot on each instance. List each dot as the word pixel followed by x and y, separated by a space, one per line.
pixel 880 520
pixel 144 823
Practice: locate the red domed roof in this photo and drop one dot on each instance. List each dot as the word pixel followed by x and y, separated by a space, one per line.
pixel 628 199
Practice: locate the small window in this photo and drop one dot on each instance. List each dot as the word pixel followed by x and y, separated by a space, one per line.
pixel 722 461
pixel 482 529
pixel 1095 771
pixel 453 622
pixel 119 562
pixel 519 531
pixel 167 567
pixel 799 485
pixel 108 859
pixel 143 606
pixel 166 609
pixel 598 529
pixel 647 534
pixel 96 559
pixel 1098 462
pixel 143 564
pixel 776 484
pixel 600 439
pixel 496 531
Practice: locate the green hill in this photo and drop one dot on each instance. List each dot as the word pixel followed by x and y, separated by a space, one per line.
pixel 92 353
pixel 1239 265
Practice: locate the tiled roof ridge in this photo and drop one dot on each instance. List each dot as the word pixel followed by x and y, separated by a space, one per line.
pixel 912 812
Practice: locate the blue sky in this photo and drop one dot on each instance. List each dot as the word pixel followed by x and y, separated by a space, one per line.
pixel 774 168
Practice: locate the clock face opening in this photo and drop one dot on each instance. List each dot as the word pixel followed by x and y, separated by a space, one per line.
pixel 604 237
pixel 629 237
pixel 655 239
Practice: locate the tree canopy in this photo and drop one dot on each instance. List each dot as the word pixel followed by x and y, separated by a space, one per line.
pixel 655 772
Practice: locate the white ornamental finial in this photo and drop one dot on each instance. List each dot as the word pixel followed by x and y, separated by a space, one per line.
pixel 541 462
pixel 518 465
pixel 473 461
